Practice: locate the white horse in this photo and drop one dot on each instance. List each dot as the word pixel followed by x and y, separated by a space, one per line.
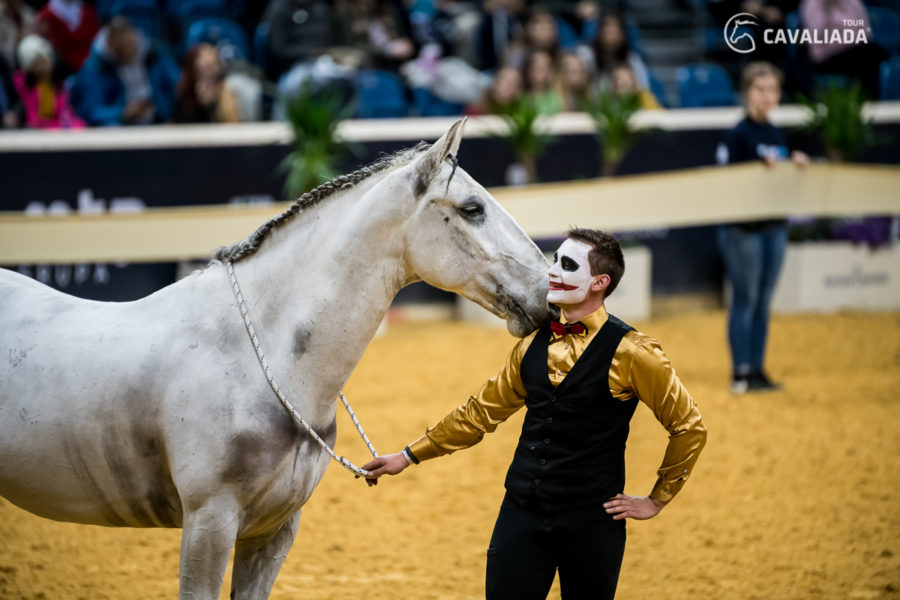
pixel 156 413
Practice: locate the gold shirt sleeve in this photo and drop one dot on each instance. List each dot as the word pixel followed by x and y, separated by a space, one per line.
pixel 641 369
pixel 465 426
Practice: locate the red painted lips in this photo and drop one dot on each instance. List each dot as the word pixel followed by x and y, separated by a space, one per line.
pixel 562 286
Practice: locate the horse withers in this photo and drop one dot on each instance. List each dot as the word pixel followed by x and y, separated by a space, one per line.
pixel 155 413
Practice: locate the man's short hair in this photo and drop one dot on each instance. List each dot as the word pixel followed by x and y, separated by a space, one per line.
pixel 605 257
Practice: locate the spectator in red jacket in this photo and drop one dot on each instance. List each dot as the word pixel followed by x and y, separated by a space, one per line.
pixel 70 25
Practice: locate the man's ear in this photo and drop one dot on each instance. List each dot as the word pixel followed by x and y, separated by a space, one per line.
pixel 601 282
pixel 429 164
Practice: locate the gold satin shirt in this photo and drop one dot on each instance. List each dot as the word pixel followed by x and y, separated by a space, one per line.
pixel 639 370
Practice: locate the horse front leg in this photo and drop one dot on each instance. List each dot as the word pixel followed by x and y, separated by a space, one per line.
pixel 258 560
pixel 208 535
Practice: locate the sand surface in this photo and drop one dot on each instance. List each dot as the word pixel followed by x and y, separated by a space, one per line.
pixel 797 495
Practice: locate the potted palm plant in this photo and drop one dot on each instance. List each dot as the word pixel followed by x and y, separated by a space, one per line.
pixel 317 150
pixel 524 134
pixel 835 117
pixel 611 114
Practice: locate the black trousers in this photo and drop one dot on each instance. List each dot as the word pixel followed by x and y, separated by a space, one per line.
pixel 529 545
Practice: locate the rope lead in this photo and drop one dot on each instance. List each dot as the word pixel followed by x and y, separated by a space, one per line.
pixel 342 460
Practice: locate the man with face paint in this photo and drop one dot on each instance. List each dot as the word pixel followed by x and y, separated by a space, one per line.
pixel 580 379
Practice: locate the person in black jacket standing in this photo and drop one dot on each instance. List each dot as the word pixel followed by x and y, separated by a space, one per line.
pixel 580 379
pixel 754 250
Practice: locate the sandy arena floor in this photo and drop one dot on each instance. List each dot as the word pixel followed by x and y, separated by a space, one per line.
pixel 797 495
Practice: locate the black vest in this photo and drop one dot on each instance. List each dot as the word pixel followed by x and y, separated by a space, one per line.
pixel 572 449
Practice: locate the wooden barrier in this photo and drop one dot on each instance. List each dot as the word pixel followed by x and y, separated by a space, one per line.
pixel 691 197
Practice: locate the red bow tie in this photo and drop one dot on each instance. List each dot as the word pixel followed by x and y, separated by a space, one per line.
pixel 561 329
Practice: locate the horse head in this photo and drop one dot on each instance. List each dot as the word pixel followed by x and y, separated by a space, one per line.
pixel 460 239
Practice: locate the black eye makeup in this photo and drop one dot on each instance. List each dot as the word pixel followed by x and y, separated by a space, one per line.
pixel 568 264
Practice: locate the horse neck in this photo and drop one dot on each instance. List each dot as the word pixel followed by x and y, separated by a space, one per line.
pixel 321 284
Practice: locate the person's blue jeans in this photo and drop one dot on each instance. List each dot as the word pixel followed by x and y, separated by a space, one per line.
pixel 752 262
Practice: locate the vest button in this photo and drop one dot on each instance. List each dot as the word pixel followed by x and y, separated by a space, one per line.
pixel 553 398
pixel 531 447
pixel 543 461
pixel 549 419
pixel 537 482
pixel 546 440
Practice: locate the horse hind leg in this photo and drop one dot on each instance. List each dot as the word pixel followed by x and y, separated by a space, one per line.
pixel 208 536
pixel 258 560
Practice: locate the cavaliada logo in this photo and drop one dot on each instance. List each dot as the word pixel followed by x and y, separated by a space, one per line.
pixel 740 34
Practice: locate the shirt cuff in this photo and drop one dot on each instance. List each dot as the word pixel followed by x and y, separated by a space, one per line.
pixel 424 449
pixel 667 486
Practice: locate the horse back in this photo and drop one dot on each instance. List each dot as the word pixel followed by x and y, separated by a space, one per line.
pixel 80 435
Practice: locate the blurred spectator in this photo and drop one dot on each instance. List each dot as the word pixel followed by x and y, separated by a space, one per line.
pixel 455 28
pixel 16 19
pixel 622 81
pixel 499 27
pixel 575 81
pixel 541 83
pixel 770 14
pixel 9 118
pixel 126 80
pixel 587 19
pixel 44 103
pixel 201 95
pixel 541 33
pixel 753 251
pixel 859 61
pixel 450 79
pixel 611 48
pixel 300 31
pixel 70 25
pixel 505 89
pixel 381 27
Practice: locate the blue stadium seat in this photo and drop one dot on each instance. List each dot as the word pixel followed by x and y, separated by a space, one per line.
pixel 4 101
pixel 380 94
pixel 634 37
pixel 704 84
pixel 566 34
pixel 226 35
pixel 792 23
pixel 260 43
pixel 658 89
pixel 427 104
pixel 714 39
pixel 890 79
pixel 188 11
pixel 885 28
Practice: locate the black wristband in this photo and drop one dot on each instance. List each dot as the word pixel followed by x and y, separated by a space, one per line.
pixel 411 456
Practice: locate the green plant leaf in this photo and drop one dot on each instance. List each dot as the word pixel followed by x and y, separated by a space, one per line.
pixel 313 118
pixel 522 129
pixel 835 117
pixel 611 114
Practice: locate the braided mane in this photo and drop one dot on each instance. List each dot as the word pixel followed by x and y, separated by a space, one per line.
pixel 311 198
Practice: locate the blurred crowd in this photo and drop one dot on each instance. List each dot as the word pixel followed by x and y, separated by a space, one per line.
pixel 77 63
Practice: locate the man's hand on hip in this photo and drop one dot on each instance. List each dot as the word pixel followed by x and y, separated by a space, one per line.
pixel 633 507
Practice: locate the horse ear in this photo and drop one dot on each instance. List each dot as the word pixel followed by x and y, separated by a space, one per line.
pixel 430 162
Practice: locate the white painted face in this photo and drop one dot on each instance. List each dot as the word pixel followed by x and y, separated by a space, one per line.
pixel 570 274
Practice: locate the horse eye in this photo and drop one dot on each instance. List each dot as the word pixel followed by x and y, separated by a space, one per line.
pixel 568 264
pixel 470 210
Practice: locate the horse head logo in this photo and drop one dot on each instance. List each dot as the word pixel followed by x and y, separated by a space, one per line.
pixel 737 36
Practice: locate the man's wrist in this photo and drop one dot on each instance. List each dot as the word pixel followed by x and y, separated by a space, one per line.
pixel 409 456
